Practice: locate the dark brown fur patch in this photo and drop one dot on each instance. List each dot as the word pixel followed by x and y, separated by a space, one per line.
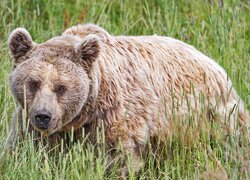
pixel 89 50
pixel 20 43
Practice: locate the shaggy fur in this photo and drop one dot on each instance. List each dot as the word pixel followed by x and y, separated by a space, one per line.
pixel 133 86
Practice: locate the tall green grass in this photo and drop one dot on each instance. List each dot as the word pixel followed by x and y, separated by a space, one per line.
pixel 220 29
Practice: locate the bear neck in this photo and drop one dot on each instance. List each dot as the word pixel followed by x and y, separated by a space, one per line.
pixel 104 95
pixel 87 113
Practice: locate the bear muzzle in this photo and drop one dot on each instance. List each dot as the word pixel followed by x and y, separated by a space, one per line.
pixel 42 119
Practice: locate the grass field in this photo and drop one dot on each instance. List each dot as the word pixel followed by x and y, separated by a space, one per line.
pixel 220 29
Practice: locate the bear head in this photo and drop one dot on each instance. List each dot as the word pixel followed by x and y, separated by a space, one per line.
pixel 52 80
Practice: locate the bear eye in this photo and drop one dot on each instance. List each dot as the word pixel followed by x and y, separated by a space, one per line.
pixel 60 89
pixel 34 86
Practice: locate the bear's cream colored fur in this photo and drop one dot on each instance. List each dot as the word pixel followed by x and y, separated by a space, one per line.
pixel 142 71
pixel 135 85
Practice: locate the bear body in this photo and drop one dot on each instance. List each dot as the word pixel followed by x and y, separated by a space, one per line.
pixel 132 86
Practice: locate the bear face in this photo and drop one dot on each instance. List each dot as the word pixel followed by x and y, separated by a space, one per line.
pixel 51 79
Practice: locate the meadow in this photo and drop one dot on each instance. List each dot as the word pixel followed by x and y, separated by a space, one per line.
pixel 219 29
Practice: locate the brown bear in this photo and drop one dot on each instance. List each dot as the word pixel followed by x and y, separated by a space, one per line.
pixel 133 86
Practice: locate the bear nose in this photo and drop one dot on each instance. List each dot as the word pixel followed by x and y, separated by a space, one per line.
pixel 42 119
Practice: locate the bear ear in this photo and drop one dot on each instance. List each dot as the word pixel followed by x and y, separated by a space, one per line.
pixel 89 49
pixel 20 42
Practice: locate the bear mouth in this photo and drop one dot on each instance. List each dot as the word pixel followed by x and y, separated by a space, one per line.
pixel 51 128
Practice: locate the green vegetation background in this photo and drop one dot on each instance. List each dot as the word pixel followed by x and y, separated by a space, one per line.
pixel 220 29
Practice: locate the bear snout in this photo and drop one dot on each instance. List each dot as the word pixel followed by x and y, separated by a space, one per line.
pixel 42 119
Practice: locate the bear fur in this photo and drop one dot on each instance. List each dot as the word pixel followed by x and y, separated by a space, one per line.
pixel 133 86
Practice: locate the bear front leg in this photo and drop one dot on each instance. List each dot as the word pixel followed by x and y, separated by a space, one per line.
pixel 132 160
pixel 13 133
pixel 128 156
